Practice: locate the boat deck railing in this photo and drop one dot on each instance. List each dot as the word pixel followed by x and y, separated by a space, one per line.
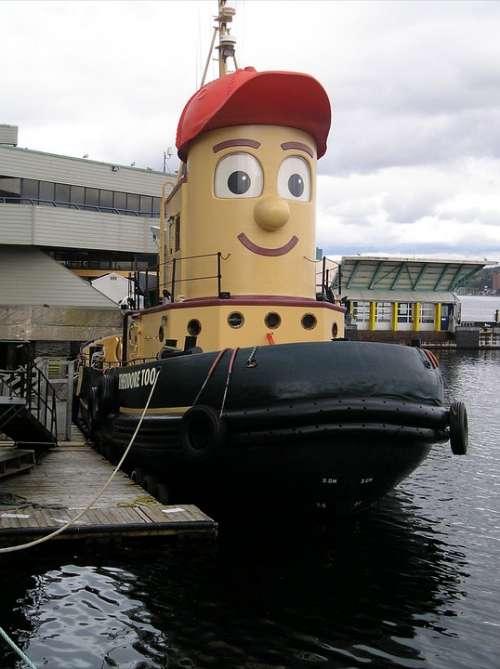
pixel 172 267
pixel 324 276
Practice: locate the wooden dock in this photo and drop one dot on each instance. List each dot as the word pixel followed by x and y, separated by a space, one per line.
pixel 64 482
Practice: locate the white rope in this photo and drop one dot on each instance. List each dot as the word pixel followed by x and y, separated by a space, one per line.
pixel 23 657
pixel 41 540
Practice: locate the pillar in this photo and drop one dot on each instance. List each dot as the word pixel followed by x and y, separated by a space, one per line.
pixel 373 316
pixel 394 319
pixel 417 310
pixel 437 317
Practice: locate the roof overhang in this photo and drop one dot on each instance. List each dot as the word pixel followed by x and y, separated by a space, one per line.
pixel 391 274
pixel 422 296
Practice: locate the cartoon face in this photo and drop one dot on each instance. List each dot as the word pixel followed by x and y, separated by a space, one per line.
pixel 250 195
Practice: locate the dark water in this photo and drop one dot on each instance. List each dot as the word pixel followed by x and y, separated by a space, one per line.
pixel 414 584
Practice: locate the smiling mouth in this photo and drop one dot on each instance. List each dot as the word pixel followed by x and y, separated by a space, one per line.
pixel 263 251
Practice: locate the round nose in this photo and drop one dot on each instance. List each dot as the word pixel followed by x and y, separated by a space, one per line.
pixel 271 213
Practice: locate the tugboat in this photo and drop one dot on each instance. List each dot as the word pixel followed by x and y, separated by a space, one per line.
pixel 257 395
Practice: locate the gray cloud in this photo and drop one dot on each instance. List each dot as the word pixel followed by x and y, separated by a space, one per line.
pixel 414 154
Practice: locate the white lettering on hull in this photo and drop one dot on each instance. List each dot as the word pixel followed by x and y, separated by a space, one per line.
pixel 138 379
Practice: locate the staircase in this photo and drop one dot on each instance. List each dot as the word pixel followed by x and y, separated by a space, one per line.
pixel 15 461
pixel 28 406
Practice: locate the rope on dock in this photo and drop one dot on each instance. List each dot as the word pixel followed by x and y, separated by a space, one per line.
pixel 22 655
pixel 41 540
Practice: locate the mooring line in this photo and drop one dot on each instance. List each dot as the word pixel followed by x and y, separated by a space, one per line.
pixel 16 648
pixel 41 540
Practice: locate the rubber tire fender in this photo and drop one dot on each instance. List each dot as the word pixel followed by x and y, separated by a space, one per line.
pixel 203 432
pixel 459 431
pixel 94 412
pixel 109 394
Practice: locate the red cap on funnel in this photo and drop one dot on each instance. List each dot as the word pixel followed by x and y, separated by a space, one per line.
pixel 248 97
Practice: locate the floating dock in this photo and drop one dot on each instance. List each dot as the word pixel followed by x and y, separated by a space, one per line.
pixel 63 483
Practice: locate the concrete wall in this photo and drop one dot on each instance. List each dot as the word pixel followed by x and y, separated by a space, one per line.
pixel 72 228
pixel 63 324
pixel 17 162
pixel 467 337
pixel 405 337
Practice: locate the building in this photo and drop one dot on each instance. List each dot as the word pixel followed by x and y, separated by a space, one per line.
pixel 65 221
pixel 400 299
pixel 113 285
pixel 495 281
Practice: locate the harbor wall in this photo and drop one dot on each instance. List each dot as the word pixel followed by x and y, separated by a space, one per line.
pixel 474 338
pixel 58 324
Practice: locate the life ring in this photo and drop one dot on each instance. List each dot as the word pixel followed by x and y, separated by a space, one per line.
pixel 202 433
pixel 459 430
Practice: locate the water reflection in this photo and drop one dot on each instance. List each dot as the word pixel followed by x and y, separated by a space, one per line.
pixel 261 601
pixel 414 584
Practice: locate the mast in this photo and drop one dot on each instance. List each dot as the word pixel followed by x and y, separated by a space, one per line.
pixel 226 52
pixel 227 41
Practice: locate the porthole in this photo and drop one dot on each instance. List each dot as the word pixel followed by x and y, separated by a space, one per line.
pixel 335 330
pixel 235 319
pixel 309 321
pixel 272 320
pixel 161 333
pixel 194 327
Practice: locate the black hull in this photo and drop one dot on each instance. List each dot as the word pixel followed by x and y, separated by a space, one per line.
pixel 308 427
pixel 339 475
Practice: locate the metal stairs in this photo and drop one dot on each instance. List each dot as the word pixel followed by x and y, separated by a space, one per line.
pixel 15 461
pixel 28 406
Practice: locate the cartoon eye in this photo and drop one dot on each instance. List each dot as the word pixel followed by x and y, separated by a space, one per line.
pixel 238 175
pixel 294 179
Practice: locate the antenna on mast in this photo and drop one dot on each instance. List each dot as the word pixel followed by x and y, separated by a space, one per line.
pixel 227 41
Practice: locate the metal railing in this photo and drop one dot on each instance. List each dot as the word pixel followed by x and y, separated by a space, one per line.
pixel 324 278
pixel 80 207
pixel 174 264
pixel 32 385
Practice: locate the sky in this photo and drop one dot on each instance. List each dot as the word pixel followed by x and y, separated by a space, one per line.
pixel 413 161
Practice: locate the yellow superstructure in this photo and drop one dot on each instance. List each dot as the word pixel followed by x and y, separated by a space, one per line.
pixel 237 233
pixel 239 267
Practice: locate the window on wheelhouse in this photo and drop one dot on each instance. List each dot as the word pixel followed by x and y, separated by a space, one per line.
pixel 178 232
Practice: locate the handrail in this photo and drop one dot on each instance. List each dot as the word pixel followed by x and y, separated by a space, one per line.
pixel 32 385
pixel 174 280
pixel 325 283
pixel 80 207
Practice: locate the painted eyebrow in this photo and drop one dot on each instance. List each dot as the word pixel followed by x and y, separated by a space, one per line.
pixel 299 146
pixel 235 142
